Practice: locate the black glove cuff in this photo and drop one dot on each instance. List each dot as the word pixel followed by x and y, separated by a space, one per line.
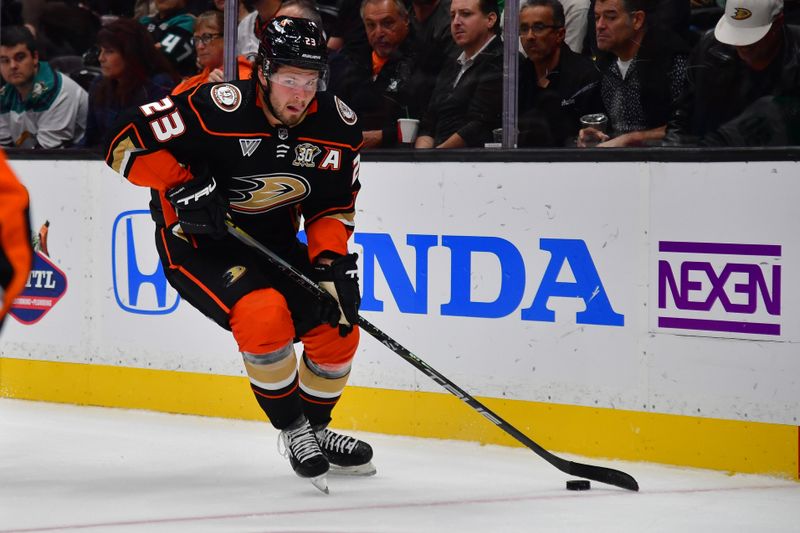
pixel 343 268
pixel 194 194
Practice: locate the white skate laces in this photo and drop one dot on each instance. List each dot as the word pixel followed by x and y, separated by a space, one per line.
pixel 300 446
pixel 299 443
pixel 347 455
pixel 336 442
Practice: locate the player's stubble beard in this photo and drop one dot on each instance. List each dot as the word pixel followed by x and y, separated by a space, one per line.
pixel 274 114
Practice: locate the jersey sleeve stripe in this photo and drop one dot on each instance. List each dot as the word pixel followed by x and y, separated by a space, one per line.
pixel 331 143
pixel 127 140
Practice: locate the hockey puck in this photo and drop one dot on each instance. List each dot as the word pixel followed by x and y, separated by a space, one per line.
pixel 578 484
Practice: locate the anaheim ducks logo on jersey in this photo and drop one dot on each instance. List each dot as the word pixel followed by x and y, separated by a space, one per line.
pixel 259 194
pixel 226 96
pixel 348 115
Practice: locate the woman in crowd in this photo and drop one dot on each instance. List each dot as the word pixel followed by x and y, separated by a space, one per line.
pixel 134 73
pixel 209 45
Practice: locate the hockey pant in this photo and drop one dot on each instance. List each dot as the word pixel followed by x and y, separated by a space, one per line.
pixel 266 313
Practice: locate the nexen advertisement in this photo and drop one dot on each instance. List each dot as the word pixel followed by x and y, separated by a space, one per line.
pixel 140 285
pixel 720 288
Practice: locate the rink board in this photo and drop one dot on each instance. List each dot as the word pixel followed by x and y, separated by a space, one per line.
pixel 633 310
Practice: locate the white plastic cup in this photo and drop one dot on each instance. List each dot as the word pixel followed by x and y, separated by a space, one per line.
pixel 407 130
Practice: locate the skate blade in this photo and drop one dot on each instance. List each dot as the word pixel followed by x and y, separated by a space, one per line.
pixel 367 469
pixel 321 483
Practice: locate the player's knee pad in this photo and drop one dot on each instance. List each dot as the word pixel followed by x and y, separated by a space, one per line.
pixel 329 351
pixel 261 322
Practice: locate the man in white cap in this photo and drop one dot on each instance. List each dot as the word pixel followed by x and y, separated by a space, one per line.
pixel 743 81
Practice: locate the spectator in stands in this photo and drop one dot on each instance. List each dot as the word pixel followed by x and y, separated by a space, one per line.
pixel 556 85
pixel 39 107
pixel 668 15
pixel 643 73
pixel 467 101
pixel 171 29
pixel 434 44
pixel 209 44
pixel 744 81
pixel 134 73
pixel 576 22
pixel 380 84
pixel 250 28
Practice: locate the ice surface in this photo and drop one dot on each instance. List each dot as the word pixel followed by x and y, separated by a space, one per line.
pixel 70 468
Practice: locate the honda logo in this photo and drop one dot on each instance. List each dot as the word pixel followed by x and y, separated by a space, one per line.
pixel 139 282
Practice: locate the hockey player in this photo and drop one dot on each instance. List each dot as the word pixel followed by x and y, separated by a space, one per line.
pixel 16 254
pixel 264 152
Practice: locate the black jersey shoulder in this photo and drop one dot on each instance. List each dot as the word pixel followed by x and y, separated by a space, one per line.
pixel 227 108
pixel 331 121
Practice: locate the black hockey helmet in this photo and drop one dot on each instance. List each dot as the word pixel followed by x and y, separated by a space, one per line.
pixel 296 42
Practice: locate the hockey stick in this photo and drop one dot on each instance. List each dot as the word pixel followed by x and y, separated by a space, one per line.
pixel 595 473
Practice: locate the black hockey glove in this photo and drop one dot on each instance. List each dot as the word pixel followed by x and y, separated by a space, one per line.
pixel 340 278
pixel 201 207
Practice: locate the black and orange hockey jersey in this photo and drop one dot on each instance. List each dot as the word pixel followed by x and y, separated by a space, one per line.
pixel 16 252
pixel 271 175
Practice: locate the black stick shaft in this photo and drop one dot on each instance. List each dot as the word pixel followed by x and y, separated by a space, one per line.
pixel 595 473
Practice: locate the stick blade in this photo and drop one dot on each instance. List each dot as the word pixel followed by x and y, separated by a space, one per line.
pixel 601 474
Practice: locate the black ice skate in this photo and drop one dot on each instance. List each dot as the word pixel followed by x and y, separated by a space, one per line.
pixel 305 455
pixel 348 456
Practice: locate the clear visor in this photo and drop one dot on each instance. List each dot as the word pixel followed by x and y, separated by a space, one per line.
pixel 310 80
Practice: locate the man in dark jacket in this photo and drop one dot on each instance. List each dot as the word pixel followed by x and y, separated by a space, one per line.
pixel 744 81
pixel 380 82
pixel 467 101
pixel 556 85
pixel 643 74
pixel 433 43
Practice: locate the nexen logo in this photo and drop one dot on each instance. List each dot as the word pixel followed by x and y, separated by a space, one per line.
pixel 378 248
pixel 719 287
pixel 138 277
